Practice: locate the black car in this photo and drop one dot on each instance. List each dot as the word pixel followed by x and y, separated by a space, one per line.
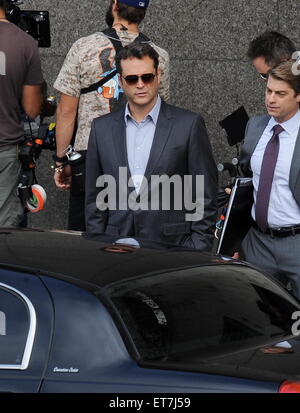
pixel 102 316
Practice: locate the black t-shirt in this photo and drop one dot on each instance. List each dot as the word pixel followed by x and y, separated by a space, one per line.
pixel 19 65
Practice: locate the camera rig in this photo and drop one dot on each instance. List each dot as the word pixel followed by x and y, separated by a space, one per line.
pixel 235 126
pixel 32 195
pixel 35 23
pixel 37 137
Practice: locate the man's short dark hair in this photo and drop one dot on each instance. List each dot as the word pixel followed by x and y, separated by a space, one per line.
pixel 137 50
pixel 273 46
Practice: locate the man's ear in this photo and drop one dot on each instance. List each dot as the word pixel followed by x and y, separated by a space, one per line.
pixel 159 74
pixel 298 98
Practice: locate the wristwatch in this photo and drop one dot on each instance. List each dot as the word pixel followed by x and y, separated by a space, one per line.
pixel 63 159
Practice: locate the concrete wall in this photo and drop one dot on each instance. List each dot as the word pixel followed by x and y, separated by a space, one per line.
pixel 207 41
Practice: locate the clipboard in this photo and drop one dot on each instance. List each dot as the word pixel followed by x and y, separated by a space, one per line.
pixel 238 218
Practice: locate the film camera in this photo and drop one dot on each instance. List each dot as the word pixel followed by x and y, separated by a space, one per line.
pixel 36 23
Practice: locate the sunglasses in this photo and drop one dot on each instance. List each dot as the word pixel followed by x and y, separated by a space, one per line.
pixel 147 78
pixel 264 76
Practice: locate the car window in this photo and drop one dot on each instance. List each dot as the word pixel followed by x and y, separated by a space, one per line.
pixel 17 328
pixel 209 310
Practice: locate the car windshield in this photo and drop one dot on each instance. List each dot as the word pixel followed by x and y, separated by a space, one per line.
pixel 201 312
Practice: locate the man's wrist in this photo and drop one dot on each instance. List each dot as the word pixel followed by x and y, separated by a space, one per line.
pixel 59 168
pixel 60 164
pixel 62 159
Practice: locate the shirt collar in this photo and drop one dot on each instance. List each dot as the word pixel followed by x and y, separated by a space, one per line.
pixel 153 114
pixel 289 126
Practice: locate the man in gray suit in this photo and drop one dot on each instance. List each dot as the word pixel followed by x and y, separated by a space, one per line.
pixel 271 154
pixel 165 153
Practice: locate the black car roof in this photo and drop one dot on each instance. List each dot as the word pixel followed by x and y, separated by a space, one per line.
pixel 70 256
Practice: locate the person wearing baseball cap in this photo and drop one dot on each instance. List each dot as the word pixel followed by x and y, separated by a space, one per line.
pixel 139 4
pixel 92 58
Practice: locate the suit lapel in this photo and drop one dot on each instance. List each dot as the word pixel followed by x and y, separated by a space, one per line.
pixel 161 136
pixel 162 132
pixel 295 166
pixel 119 138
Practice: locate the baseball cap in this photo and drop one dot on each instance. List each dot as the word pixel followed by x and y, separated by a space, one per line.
pixel 139 4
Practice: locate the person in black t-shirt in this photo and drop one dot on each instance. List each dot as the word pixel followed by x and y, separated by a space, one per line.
pixel 20 87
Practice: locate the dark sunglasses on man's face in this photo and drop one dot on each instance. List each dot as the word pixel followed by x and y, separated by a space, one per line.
pixel 264 76
pixel 147 78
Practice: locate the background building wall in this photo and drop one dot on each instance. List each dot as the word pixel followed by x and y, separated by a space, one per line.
pixel 207 41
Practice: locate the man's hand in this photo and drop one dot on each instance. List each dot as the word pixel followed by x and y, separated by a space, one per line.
pixel 63 178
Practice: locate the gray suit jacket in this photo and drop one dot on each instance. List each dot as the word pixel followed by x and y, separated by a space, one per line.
pixel 254 131
pixel 180 147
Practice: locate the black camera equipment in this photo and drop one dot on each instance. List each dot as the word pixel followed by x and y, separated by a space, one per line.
pixel 230 167
pixel 235 127
pixel 32 195
pixel 43 138
pixel 34 22
pixel 38 137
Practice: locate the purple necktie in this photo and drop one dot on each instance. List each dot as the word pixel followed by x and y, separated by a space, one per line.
pixel 266 179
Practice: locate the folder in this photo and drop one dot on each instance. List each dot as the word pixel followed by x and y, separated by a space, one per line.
pixel 238 217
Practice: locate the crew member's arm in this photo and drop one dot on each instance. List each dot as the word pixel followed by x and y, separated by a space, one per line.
pixel 32 100
pixel 68 84
pixel 65 126
pixel 32 97
pixel 201 162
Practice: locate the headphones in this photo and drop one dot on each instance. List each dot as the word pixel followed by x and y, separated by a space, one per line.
pixel 12 11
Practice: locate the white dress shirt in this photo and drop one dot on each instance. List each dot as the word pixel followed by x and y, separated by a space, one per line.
pixel 283 209
pixel 139 139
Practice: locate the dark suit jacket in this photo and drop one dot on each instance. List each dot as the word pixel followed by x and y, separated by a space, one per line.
pixel 180 147
pixel 254 131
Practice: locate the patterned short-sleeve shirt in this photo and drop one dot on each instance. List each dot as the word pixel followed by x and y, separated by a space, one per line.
pixel 89 60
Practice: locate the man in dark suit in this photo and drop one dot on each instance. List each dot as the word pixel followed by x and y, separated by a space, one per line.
pixel 271 154
pixel 152 142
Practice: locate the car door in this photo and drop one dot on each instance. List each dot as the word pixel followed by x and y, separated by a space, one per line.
pixel 26 317
pixel 88 354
